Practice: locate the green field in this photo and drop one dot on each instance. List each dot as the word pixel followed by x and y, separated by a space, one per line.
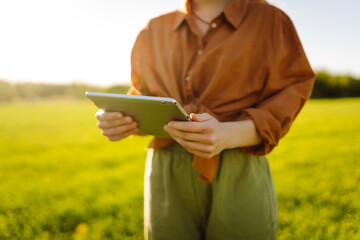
pixel 61 179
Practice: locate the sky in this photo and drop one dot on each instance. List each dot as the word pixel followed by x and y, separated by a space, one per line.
pixel 90 41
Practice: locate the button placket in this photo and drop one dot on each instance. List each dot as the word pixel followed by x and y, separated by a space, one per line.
pixel 188 87
pixel 188 77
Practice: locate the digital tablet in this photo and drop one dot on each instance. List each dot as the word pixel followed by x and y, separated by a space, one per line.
pixel 151 113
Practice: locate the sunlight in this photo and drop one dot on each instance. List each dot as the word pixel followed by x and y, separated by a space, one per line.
pixel 90 41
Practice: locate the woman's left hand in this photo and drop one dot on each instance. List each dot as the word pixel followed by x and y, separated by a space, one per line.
pixel 204 137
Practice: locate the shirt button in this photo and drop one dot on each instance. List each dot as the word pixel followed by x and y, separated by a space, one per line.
pixel 213 25
pixel 187 79
pixel 200 52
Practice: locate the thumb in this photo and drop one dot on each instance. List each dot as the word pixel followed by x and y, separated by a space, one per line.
pixel 200 117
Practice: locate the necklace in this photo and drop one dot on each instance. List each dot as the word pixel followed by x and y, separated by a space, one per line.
pixel 202 20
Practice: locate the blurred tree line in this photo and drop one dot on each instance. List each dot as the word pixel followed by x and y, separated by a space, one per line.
pixel 326 86
pixel 37 91
pixel 334 86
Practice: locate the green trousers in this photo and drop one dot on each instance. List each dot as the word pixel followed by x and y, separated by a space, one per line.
pixel 239 204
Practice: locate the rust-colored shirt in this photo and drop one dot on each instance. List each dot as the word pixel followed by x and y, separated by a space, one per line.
pixel 249 64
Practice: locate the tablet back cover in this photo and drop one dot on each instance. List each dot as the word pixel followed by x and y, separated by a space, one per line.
pixel 151 113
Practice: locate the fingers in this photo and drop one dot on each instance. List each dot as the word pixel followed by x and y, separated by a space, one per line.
pixel 200 117
pixel 190 136
pixel 109 120
pixel 196 148
pixel 201 123
pixel 123 135
pixel 200 137
pixel 194 127
pixel 120 130
pixel 101 115
pixel 115 123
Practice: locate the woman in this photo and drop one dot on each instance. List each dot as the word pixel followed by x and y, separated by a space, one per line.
pixel 238 66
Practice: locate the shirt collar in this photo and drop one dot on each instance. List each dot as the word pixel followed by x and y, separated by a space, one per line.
pixel 182 14
pixel 234 12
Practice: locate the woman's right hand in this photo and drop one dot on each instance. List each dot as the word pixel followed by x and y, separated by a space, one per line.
pixel 115 125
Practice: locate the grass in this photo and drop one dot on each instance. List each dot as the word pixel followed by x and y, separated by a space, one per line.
pixel 316 173
pixel 60 179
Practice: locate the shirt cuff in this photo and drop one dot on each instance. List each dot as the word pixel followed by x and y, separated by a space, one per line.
pixel 267 126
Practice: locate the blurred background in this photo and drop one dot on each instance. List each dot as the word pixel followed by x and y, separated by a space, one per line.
pixel 60 179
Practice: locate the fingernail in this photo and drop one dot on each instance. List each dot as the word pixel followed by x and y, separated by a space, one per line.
pixel 166 128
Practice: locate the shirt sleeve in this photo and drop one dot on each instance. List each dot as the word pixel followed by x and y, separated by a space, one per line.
pixel 136 55
pixel 286 89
